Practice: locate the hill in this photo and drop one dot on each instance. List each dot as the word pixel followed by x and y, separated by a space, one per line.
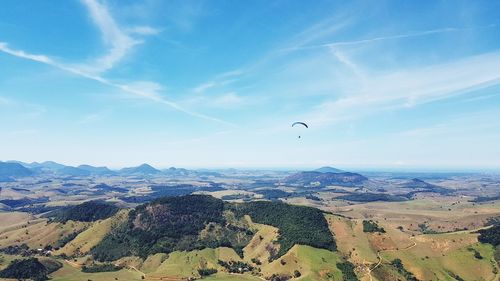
pixel 176 172
pixel 327 169
pixel 13 170
pixel 192 222
pixel 25 269
pixel 96 170
pixel 73 171
pixel 325 179
pixel 143 169
pixel 85 212
pixel 296 224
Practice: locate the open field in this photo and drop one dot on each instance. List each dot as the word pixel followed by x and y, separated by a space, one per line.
pixel 36 233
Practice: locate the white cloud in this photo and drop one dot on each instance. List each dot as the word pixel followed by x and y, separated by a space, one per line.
pixel 406 88
pixel 389 37
pixel 119 42
pixel 130 88
pixel 21 54
pixel 228 100
pixel 143 30
pixel 203 87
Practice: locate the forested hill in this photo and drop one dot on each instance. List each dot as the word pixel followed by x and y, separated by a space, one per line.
pixel 199 221
pixel 86 212
pixel 296 224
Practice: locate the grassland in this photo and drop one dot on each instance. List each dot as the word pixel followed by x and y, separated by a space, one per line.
pixel 70 273
pixel 92 236
pixel 18 228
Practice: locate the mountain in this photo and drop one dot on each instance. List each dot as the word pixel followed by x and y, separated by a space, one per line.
pixel 324 179
pixel 191 222
pixel 73 171
pixel 97 170
pixel 418 183
pixel 172 171
pixel 49 165
pixel 423 186
pixel 13 170
pixel 327 169
pixel 143 169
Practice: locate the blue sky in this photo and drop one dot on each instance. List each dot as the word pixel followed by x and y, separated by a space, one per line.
pixel 382 84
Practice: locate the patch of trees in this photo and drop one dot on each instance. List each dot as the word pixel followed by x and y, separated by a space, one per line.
pixel 347 270
pixel 371 226
pixel 16 203
pixel 25 269
pixel 398 265
pixel 66 239
pixel 172 224
pixel 425 229
pixel 236 266
pixel 480 199
pixel 296 224
pixel 18 250
pixel 206 271
pixel 490 235
pixel 279 277
pixel 105 267
pixel 372 197
pixel 86 212
pixel 273 194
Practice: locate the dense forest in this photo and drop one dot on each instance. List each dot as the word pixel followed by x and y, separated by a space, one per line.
pixel 490 235
pixel 173 224
pixel 25 269
pixel 198 221
pixel 86 212
pixel 296 224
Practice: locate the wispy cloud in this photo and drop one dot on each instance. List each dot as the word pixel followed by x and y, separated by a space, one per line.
pixel 91 118
pixel 411 87
pixel 203 87
pixel 384 38
pixel 128 88
pixel 118 39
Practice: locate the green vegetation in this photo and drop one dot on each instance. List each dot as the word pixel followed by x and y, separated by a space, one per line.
pixel 371 226
pixel 402 270
pixel 296 224
pixel 490 235
pixel 25 269
pixel 347 269
pixel 66 239
pixel 173 224
pixel 105 267
pixel 372 197
pixel 236 266
pixel 424 228
pixel 86 212
pixel 206 271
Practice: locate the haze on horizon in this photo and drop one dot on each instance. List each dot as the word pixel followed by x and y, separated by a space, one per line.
pixel 218 84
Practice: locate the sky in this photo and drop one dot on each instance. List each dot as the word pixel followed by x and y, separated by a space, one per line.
pixel 381 84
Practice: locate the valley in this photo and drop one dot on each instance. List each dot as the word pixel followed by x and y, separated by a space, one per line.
pixel 175 224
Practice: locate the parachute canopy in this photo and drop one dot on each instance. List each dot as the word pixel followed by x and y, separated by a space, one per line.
pixel 300 123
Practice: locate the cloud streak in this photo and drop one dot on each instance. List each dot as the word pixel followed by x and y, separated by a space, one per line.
pixel 118 39
pixel 407 88
pixel 389 37
pixel 125 88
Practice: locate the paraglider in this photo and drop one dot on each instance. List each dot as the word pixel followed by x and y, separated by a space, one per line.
pixel 300 123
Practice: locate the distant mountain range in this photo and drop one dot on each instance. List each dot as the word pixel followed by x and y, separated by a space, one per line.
pixel 9 169
pixel 14 169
